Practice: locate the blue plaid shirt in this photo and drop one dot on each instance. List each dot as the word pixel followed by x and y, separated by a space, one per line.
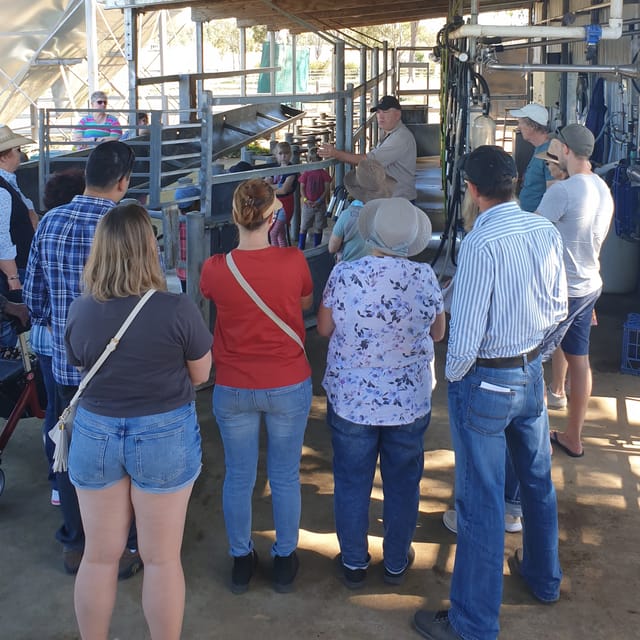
pixel 58 254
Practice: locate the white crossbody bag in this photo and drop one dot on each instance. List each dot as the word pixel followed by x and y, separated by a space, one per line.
pixel 260 302
pixel 60 433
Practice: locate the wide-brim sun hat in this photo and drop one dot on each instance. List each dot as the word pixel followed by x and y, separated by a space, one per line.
pixel 394 226
pixel 548 157
pixel 368 181
pixel 9 139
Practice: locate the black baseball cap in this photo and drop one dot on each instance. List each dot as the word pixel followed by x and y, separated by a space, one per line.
pixel 387 102
pixel 488 166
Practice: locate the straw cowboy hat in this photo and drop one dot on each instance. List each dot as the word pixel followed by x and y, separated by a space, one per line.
pixel 395 227
pixel 369 181
pixel 9 139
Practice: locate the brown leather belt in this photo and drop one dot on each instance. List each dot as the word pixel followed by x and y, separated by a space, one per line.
pixel 509 363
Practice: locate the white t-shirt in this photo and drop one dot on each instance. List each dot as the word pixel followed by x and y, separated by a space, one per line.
pixel 581 207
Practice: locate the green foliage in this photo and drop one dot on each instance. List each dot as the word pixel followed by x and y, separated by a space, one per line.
pixel 223 35
pixel 258 147
pixel 319 66
pixel 258 36
pixel 351 68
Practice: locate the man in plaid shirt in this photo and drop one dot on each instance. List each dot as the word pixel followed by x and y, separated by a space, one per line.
pixel 58 254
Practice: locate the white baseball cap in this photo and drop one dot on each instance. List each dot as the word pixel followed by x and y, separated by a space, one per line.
pixel 533 111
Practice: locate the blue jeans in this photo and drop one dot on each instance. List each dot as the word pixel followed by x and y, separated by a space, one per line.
pixel 484 421
pixel 50 416
pixel 238 413
pixel 512 504
pixel 355 452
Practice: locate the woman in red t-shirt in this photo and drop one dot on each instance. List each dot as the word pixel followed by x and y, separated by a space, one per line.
pixel 260 371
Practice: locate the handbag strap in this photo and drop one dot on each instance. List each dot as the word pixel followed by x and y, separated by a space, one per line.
pixel 110 348
pixel 260 302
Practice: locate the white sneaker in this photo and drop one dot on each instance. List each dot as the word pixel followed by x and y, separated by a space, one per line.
pixel 512 524
pixel 55 498
pixel 556 400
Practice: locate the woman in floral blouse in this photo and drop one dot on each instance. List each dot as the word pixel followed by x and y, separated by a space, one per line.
pixel 382 313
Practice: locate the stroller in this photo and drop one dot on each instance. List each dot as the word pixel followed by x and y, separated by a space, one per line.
pixel 22 393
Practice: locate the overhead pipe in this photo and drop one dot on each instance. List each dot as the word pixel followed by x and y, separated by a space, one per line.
pixel 620 69
pixel 611 32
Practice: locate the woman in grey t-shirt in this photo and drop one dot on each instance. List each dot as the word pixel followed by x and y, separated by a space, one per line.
pixel 135 450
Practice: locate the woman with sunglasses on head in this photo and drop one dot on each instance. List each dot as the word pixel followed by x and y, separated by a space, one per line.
pixel 98 125
pixel 261 371
pixel 135 450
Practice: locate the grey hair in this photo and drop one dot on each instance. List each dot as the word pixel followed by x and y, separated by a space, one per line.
pixel 98 95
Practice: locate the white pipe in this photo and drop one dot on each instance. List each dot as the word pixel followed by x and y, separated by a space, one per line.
pixel 612 32
pixel 618 69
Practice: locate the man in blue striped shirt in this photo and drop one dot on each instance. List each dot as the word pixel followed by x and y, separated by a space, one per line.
pixel 58 254
pixel 510 289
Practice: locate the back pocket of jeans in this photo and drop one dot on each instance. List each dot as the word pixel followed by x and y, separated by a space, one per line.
pixel 488 410
pixel 87 456
pixel 161 457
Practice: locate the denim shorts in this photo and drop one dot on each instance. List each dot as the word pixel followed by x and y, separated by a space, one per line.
pixel 161 453
pixel 576 339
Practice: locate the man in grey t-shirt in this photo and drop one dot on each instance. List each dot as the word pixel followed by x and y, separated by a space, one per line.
pixel 396 152
pixel 581 207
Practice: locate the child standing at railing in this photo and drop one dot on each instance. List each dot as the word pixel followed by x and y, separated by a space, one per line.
pixel 314 191
pixel 285 191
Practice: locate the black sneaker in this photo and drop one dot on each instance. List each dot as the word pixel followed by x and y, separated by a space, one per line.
pixel 243 567
pixel 434 625
pixel 285 569
pixel 130 563
pixel 397 578
pixel 352 578
pixel 71 559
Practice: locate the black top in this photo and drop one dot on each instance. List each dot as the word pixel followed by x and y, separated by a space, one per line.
pixel 20 227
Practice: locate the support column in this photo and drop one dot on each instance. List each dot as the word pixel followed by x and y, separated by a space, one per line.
pixel 272 61
pixel 199 57
pixel 385 61
pixel 131 51
pixel 375 94
pixel 93 83
pixel 243 60
pixel 340 107
pixel 293 63
pixel 363 81
pixel 196 255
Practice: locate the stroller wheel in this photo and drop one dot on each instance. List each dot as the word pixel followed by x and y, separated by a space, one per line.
pixel 1 481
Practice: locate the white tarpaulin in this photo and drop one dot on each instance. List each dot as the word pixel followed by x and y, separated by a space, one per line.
pixel 43 46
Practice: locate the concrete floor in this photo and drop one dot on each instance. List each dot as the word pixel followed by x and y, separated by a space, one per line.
pixel 598 506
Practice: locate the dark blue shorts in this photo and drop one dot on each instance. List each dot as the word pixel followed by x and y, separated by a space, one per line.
pixel 572 334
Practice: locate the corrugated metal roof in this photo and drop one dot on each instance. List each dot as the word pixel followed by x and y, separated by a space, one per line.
pixel 45 39
pixel 315 15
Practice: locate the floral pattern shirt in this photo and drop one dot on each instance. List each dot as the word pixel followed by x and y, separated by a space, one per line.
pixel 380 353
